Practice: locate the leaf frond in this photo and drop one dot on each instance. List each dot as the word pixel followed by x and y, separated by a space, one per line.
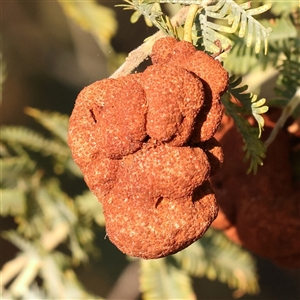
pixel 23 140
pixel 16 167
pixel 97 19
pixel 55 122
pixel 19 241
pixel 90 208
pixel 237 16
pixel 160 279
pixel 27 138
pixel 239 104
pixel 216 257
pixel 284 38
pixel 13 202
pixel 153 14
pixel 288 81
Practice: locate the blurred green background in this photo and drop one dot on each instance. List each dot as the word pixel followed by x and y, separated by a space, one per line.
pixel 47 60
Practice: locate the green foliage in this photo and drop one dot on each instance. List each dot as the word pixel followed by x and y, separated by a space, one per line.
pixel 160 279
pixel 13 202
pixel 94 18
pixel 237 16
pixel 216 257
pixel 284 8
pixel 100 21
pixel 54 122
pixel 288 81
pixel 20 140
pixel 152 13
pixel 238 105
pixel 45 214
pixel 213 256
pixel 250 104
pixel 242 59
pixel 206 33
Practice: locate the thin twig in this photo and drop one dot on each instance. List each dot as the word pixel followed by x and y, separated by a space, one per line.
pixel 286 112
pixel 137 56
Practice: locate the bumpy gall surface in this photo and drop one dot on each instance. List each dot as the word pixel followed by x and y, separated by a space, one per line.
pixel 213 76
pixel 145 145
pixel 262 211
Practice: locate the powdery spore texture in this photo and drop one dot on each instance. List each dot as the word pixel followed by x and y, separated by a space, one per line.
pixel 261 212
pixel 145 145
pixel 211 73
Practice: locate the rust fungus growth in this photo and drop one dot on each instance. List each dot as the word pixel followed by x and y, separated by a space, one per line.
pixel 145 145
pixel 262 212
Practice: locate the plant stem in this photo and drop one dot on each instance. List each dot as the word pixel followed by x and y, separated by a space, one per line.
pixel 193 9
pixel 286 112
pixel 138 55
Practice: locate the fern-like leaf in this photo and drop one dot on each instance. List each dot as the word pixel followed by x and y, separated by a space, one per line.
pixel 97 19
pixel 242 59
pixel 14 168
pixel 52 275
pixel 90 208
pixel 237 104
pixel 216 257
pixel 153 14
pixel 236 16
pixel 288 81
pixel 27 138
pixel 160 279
pixel 22 139
pixel 13 202
pixel 250 104
pixel 19 241
pixel 55 122
pixel 284 8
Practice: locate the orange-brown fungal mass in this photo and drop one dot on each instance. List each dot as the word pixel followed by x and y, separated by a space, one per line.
pixel 262 212
pixel 144 143
pixel 211 73
pixel 153 229
pixel 174 97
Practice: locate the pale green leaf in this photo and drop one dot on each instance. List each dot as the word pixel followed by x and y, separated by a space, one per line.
pixel 90 208
pixel 215 257
pixel 254 147
pixel 27 138
pixel 97 19
pixel 162 280
pixel 16 168
pixel 55 122
pixel 135 17
pixel 235 15
pixel 74 288
pixel 19 241
pixel 284 8
pixel 259 10
pixel 13 202
pixel 52 276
